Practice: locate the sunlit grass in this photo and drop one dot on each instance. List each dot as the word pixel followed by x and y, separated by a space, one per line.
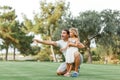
pixel 47 71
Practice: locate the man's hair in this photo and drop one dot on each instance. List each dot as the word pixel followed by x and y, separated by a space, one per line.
pixel 66 31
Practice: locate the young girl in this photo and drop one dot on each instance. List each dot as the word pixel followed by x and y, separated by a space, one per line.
pixel 73 41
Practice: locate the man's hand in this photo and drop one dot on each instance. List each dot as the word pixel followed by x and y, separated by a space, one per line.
pixel 37 41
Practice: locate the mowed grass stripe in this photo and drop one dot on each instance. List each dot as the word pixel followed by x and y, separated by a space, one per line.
pixel 100 72
pixel 28 67
pixel 27 70
pixel 47 71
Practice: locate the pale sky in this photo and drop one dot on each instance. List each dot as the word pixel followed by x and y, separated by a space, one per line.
pixel 29 6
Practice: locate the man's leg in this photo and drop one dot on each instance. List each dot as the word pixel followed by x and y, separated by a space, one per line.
pixel 62 69
pixel 78 61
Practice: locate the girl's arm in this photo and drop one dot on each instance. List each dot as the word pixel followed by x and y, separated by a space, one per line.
pixel 78 44
pixel 74 44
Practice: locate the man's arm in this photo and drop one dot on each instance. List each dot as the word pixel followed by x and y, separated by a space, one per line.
pixel 46 42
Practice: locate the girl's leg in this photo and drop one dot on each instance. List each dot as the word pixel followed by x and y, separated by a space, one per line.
pixel 70 68
pixel 67 74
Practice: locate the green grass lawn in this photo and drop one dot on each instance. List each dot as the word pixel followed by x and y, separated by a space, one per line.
pixel 47 71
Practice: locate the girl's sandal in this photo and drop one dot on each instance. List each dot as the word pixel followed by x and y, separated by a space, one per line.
pixel 67 74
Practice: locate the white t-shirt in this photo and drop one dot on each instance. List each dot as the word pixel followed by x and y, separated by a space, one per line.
pixel 62 44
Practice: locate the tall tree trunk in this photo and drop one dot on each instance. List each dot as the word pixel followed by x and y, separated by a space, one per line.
pixel 89 56
pixel 89 52
pixel 14 54
pixel 52 51
pixel 6 55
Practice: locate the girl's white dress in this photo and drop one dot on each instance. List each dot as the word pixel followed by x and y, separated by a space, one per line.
pixel 70 53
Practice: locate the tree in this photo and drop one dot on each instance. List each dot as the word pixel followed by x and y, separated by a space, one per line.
pixel 111 18
pixel 65 22
pixel 7 17
pixel 88 24
pixel 47 21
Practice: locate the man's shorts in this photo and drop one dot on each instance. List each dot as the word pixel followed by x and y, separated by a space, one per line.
pixel 63 65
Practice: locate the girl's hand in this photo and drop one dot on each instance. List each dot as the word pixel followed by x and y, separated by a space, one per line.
pixel 69 44
pixel 63 49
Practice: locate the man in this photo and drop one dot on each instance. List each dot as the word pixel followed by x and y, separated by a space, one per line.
pixel 63 43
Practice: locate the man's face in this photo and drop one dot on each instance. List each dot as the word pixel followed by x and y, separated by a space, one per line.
pixel 64 35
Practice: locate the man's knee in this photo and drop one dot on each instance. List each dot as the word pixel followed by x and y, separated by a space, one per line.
pixel 77 54
pixel 60 73
pixel 78 57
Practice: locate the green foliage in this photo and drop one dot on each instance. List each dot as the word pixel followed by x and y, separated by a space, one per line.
pixel 44 55
pixel 35 50
pixel 111 19
pixel 7 20
pixel 24 44
pixel 89 23
pixel 54 17
pixel 111 38
pixel 27 25
pixel 13 33
pixel 47 21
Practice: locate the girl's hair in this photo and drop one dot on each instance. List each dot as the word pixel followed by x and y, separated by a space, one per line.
pixel 75 32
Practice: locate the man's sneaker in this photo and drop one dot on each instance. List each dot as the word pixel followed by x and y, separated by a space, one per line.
pixel 75 74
